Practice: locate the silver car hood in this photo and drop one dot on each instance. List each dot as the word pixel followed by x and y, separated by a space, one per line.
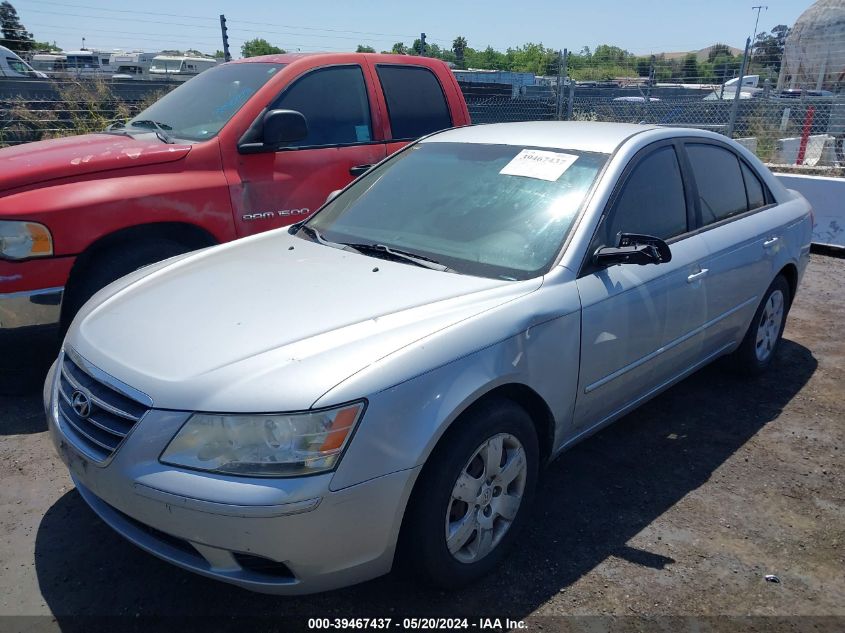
pixel 270 322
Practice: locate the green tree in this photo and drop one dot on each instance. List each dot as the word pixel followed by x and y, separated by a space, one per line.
pixel 718 50
pixel 415 48
pixel 689 69
pixel 218 54
pixel 46 47
pixel 643 66
pixel 15 36
pixel 459 45
pixel 533 58
pixel 365 49
pixel 399 48
pixel 259 46
pixel 767 50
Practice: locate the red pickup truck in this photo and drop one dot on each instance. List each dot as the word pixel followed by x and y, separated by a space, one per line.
pixel 244 147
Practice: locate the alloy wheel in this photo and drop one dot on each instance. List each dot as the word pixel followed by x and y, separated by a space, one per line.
pixel 486 498
pixel 768 329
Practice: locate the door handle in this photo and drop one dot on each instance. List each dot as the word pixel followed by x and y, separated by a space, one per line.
pixel 770 242
pixel 358 170
pixel 701 274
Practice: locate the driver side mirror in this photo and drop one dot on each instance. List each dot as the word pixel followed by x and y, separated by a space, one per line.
pixel 275 129
pixel 634 249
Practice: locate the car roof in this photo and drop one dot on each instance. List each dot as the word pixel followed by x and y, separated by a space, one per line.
pixel 289 58
pixel 577 135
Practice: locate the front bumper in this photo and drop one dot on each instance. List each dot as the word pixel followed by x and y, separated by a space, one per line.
pixel 30 308
pixel 283 536
pixel 31 293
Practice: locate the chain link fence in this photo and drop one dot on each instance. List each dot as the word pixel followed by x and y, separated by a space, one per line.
pixel 802 131
pixel 800 127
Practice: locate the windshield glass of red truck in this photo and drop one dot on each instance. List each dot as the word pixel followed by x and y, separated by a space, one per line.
pixel 200 107
pixel 497 211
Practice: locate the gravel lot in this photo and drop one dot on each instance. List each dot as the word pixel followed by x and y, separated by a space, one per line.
pixel 679 509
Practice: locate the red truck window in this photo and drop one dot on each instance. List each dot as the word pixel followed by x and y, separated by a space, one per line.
pixel 416 104
pixel 335 103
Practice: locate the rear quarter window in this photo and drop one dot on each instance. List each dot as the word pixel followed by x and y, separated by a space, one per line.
pixel 416 105
pixel 757 192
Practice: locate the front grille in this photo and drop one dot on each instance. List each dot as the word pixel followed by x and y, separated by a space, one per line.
pixel 110 416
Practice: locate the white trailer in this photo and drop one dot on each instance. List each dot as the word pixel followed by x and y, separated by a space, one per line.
pixel 179 67
pixel 132 65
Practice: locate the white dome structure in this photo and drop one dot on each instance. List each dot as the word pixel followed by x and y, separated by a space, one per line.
pixel 814 52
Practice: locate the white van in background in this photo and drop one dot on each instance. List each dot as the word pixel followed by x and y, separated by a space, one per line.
pixel 89 62
pixel 49 63
pixel 11 65
pixel 131 65
pixel 748 81
pixel 179 67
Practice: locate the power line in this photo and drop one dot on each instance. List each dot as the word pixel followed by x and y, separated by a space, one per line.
pixel 156 13
pixel 196 17
pixel 100 17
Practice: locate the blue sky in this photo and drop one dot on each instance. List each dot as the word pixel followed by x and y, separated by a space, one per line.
pixel 640 27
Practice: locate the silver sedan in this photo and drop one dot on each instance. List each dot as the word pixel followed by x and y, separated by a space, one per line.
pixel 289 411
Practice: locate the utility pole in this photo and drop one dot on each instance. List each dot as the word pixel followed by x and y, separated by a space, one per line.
pixel 758 8
pixel 422 44
pixel 224 31
pixel 735 105
pixel 650 82
pixel 561 76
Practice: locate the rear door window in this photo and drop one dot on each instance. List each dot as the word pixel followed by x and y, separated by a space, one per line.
pixel 721 188
pixel 334 101
pixel 416 104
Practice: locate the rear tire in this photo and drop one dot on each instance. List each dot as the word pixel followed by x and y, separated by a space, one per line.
pixel 111 265
pixel 757 350
pixel 448 541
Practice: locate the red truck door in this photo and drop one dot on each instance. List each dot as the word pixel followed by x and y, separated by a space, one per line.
pixel 344 136
pixel 417 102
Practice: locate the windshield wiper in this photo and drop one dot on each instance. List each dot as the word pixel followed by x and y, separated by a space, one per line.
pixel 160 129
pixel 398 255
pixel 118 127
pixel 379 250
pixel 317 236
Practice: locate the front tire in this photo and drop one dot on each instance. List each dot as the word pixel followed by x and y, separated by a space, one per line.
pixel 473 496
pixel 757 350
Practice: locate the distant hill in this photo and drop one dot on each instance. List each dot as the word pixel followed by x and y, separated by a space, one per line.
pixel 701 55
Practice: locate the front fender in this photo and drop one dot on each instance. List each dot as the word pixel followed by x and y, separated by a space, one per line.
pixel 79 211
pixel 403 423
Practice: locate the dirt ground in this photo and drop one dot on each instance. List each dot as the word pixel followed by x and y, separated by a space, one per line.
pixel 680 509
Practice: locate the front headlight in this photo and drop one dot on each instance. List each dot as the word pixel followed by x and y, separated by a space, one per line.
pixel 270 445
pixel 21 240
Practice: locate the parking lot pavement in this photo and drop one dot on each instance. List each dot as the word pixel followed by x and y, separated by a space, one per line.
pixel 681 508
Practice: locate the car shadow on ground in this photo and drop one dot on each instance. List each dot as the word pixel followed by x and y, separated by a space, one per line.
pixel 590 503
pixel 25 360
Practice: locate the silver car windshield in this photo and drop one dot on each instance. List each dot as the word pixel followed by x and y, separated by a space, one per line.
pixel 499 211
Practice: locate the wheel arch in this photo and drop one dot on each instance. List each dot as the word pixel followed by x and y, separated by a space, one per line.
pixel 790 273
pixel 188 234
pixel 533 403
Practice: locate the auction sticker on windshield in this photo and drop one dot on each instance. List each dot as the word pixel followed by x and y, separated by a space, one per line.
pixel 536 163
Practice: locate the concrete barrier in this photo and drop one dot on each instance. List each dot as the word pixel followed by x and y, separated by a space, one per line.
pixel 827 195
